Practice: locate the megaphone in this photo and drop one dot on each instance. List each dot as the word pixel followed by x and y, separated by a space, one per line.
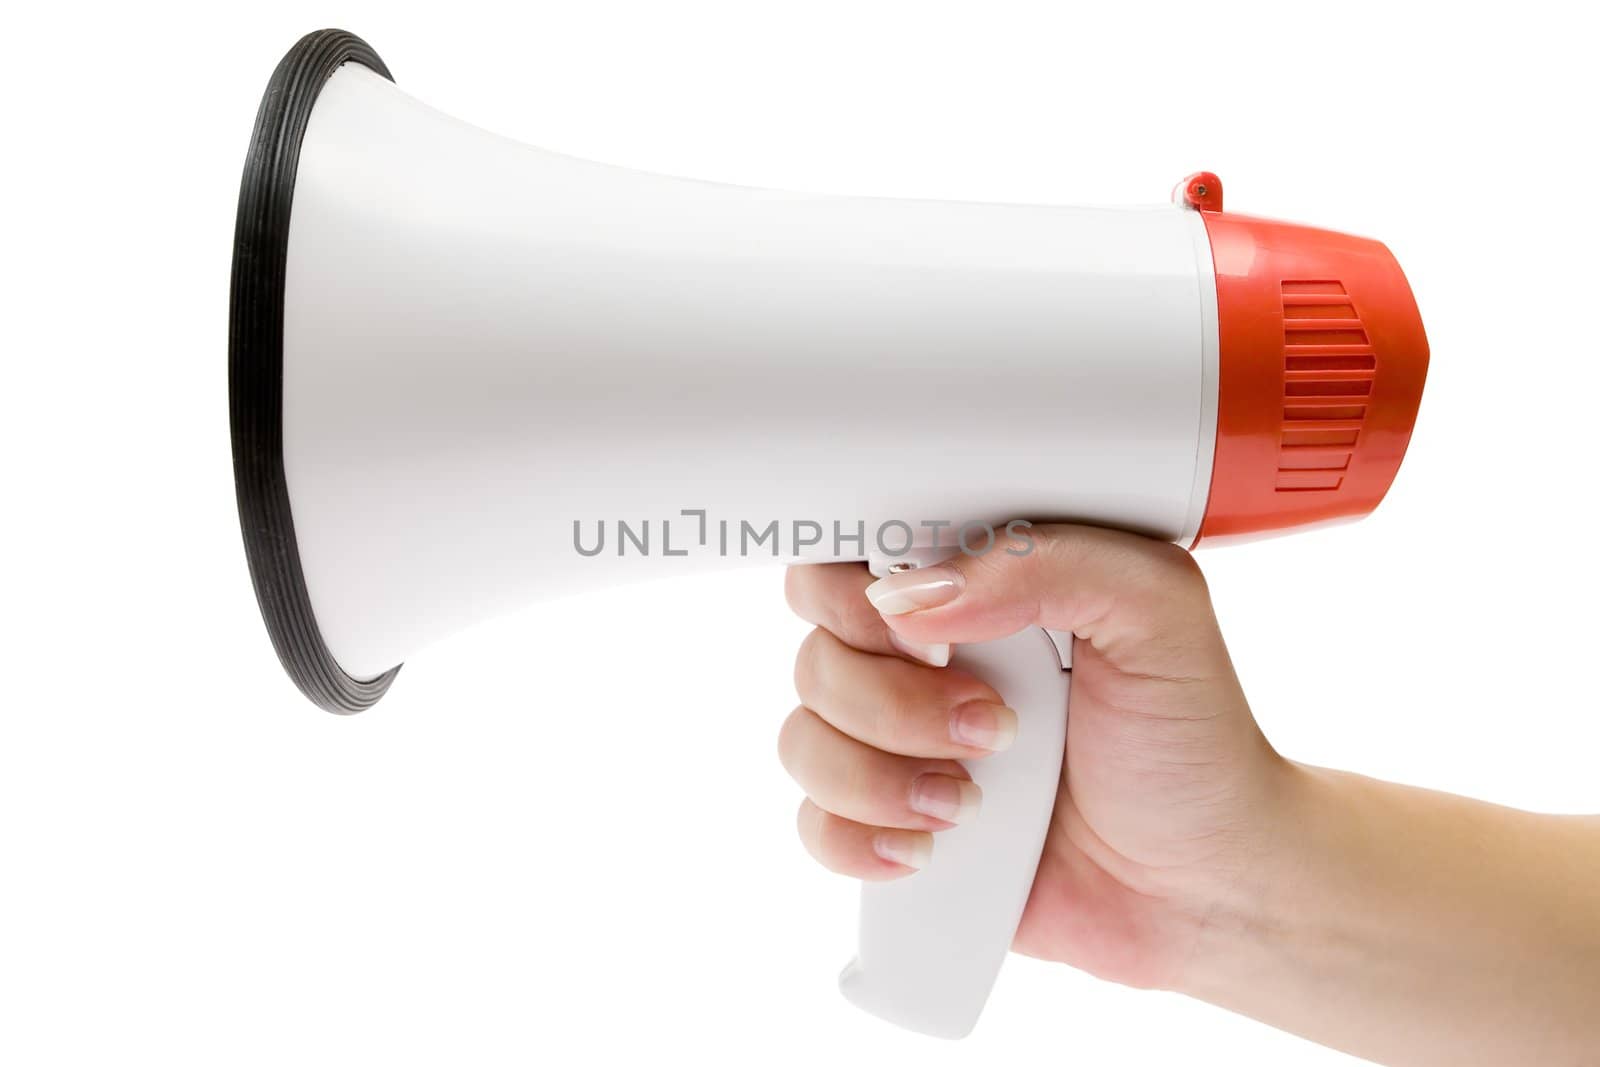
pixel 466 373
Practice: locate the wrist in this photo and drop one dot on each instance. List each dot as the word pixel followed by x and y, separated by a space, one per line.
pixel 1253 915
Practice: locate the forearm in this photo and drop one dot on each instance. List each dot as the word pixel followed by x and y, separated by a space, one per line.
pixel 1414 928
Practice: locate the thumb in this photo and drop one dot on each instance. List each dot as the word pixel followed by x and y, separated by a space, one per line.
pixel 1142 604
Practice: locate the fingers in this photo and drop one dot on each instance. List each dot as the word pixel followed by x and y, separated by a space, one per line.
pixel 833 596
pixel 875 744
pixel 855 781
pixel 1143 604
pixel 901 707
pixel 871 853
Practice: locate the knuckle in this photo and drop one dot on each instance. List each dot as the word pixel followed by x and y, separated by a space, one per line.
pixel 833 847
pixel 808 819
pixel 815 829
pixel 826 833
pixel 912 715
pixel 1175 562
pixel 857 618
pixel 1156 562
pixel 799 581
pixel 1002 578
pixel 902 714
pixel 790 739
pixel 886 794
pixel 1170 575
pixel 807 664
pixel 860 787
pixel 957 687
pixel 991 566
pixel 1056 552
pixel 819 835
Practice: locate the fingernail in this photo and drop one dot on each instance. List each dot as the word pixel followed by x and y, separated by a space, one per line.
pixel 951 799
pixel 984 725
pixel 897 594
pixel 909 848
pixel 934 655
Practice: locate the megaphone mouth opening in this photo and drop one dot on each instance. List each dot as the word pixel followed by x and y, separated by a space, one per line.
pixel 255 368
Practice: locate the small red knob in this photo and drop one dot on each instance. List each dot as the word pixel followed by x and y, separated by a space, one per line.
pixel 1201 191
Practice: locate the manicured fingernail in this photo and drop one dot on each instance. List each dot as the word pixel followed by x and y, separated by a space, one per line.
pixel 934 655
pixel 909 848
pixel 943 797
pixel 897 594
pixel 984 725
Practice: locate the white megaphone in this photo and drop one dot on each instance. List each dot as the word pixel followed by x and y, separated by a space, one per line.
pixel 466 373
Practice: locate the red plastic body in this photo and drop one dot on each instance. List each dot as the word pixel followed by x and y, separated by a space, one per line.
pixel 1322 361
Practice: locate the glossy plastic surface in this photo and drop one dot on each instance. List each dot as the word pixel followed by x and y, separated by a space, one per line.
pixel 1323 358
pixel 931 944
pixel 485 343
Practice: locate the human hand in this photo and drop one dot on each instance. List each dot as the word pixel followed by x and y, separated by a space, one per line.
pixel 1168 786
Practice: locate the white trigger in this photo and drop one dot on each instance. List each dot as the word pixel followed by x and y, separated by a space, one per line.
pixel 1062 639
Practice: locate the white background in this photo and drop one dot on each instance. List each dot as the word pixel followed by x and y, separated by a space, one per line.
pixel 564 836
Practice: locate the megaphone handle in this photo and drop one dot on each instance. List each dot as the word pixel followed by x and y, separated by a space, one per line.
pixel 931 944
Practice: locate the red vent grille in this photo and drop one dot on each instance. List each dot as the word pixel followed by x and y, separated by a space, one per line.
pixel 1328 367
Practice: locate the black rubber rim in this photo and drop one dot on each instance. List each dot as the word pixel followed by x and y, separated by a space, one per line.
pixel 255 368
